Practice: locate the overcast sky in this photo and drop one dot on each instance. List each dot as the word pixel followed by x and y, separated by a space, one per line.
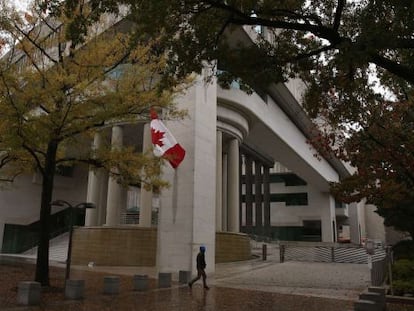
pixel 19 4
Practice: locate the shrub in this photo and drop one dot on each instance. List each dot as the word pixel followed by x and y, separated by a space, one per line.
pixel 403 277
pixel 402 287
pixel 403 250
pixel 403 269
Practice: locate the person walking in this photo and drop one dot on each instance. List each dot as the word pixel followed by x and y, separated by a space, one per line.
pixel 201 265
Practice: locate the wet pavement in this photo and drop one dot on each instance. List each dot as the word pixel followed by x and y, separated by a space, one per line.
pixel 178 297
pixel 217 298
pixel 249 285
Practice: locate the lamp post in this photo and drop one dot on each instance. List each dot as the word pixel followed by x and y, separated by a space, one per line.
pixel 71 207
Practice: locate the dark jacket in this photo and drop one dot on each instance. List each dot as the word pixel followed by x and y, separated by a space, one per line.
pixel 201 262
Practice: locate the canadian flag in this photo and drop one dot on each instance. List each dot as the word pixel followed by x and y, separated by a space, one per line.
pixel 164 142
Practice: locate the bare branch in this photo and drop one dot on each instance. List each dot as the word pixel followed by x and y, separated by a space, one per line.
pixel 35 157
pixel 338 14
pixel 36 44
pixel 240 18
pixel 393 67
pixel 312 53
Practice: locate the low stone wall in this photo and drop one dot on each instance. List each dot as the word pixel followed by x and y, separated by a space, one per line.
pixel 232 247
pixel 114 246
pixel 136 246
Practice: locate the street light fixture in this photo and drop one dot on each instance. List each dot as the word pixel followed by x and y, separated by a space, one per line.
pixel 71 207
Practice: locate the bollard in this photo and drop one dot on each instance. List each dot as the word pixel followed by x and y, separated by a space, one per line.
pixel 282 253
pixel 140 282
pixel 74 289
pixel 377 289
pixel 28 293
pixel 184 276
pixel 111 285
pixel 365 305
pixel 375 297
pixel 382 291
pixel 264 251
pixel 164 279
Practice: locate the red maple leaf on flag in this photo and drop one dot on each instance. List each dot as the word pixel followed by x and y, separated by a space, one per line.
pixel 29 18
pixel 2 44
pixel 156 137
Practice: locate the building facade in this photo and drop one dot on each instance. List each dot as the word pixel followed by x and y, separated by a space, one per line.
pixel 248 168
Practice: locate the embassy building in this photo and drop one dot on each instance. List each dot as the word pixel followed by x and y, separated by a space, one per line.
pixel 248 171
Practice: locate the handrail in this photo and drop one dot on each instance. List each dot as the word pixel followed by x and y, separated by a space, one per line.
pixel 19 238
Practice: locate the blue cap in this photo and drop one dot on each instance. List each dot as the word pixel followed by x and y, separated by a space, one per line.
pixel 202 248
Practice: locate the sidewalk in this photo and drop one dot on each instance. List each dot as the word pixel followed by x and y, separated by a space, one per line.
pixel 178 297
pixel 251 285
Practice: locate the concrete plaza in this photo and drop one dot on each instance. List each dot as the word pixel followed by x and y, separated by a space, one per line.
pixel 249 285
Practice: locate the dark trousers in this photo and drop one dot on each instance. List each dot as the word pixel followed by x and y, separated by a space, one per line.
pixel 200 273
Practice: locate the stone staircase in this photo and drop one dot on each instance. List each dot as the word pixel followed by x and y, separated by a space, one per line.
pixel 58 249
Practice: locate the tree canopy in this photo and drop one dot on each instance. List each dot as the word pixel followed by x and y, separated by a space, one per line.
pixel 56 93
pixel 337 47
pixel 354 56
pixel 334 46
pixel 356 59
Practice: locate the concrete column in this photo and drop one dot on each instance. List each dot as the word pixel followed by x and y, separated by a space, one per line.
pixel 258 197
pixel 249 193
pixel 240 188
pixel 187 217
pixel 327 217
pixel 103 198
pixel 354 226
pixel 115 191
pixel 145 207
pixel 1 234
pixel 233 186
pixel 361 208
pixel 224 191
pixel 266 200
pixel 219 181
pixel 93 194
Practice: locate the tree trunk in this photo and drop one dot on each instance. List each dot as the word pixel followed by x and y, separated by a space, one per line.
pixel 42 263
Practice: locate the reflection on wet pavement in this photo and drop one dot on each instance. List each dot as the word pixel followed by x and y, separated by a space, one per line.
pixel 178 297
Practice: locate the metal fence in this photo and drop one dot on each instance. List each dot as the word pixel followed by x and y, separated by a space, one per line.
pixel 327 252
pixel 379 272
pixel 340 253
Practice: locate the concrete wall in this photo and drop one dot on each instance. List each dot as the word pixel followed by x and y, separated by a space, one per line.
pixel 110 246
pixel 20 201
pixel 321 206
pixel 136 246
pixel 374 224
pixel 232 247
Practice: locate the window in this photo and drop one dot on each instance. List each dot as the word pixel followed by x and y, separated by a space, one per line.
pixel 289 179
pixel 290 198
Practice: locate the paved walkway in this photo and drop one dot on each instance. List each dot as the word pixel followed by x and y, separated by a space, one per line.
pixel 328 280
pixel 253 285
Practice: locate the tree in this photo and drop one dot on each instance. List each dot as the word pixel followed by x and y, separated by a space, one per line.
pixel 342 50
pixel 355 57
pixel 56 93
pixel 328 44
pixel 382 150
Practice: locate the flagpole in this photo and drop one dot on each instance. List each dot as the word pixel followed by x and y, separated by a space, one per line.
pixel 165 145
pixel 175 195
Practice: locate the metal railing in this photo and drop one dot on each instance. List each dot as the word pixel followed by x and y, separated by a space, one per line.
pixel 379 262
pixel 19 238
pixel 326 252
